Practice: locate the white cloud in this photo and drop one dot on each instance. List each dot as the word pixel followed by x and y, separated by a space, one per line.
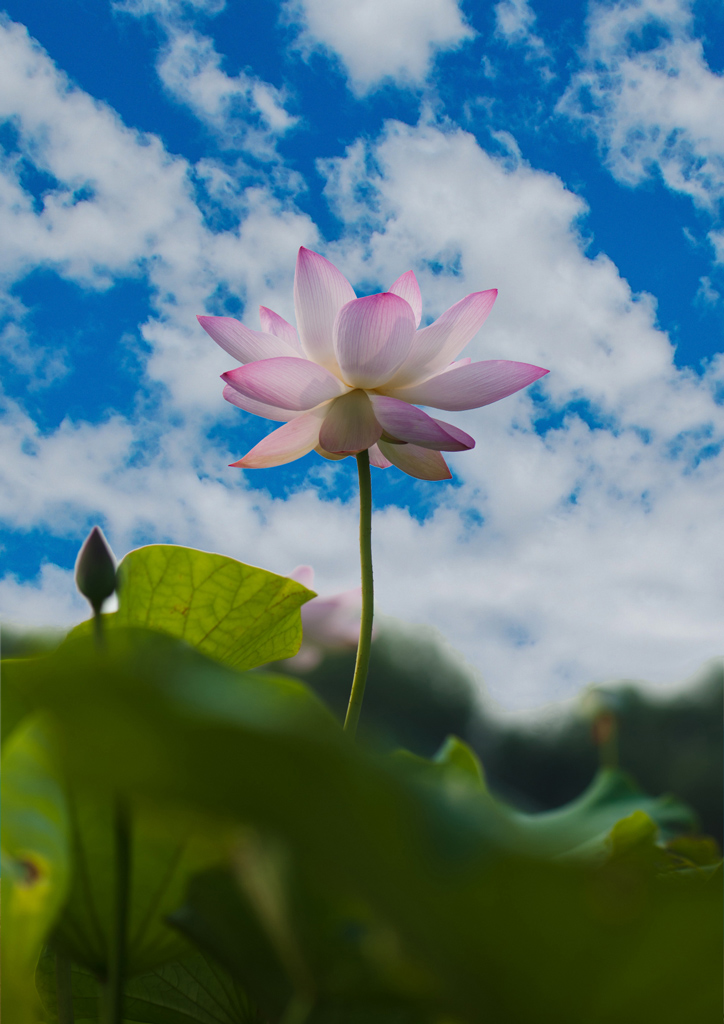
pixel 464 221
pixel 600 551
pixel 650 97
pixel 41 363
pixel 378 41
pixel 136 215
pixel 245 112
pixel 717 240
pixel 176 489
pixel 514 21
pixel 707 293
pixel 168 8
pixel 621 579
pixel 118 193
pixel 242 110
pixel 51 598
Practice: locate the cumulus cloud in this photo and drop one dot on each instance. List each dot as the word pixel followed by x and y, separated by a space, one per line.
pixel 377 41
pixel 122 205
pixel 598 541
pixel 464 221
pixel 707 294
pixel 41 363
pixel 114 193
pixel 51 598
pixel 647 93
pixel 168 8
pixel 177 489
pixel 243 111
pixel 588 551
pixel 514 22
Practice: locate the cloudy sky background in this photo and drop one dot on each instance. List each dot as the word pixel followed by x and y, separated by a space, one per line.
pixel 163 158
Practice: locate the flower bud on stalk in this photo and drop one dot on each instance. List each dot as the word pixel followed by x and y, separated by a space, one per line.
pixel 95 570
pixel 95 577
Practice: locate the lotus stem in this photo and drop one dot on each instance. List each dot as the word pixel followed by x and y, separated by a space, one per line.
pixel 64 988
pixel 365 631
pixel 116 978
pixel 115 983
pixel 98 634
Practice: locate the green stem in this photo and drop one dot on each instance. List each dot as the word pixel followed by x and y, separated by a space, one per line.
pixel 116 978
pixel 98 634
pixel 63 988
pixel 365 629
pixel 115 983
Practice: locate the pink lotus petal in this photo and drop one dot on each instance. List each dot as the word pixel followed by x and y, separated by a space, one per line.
pixel 333 622
pixel 350 424
pixel 329 624
pixel 269 412
pixel 458 362
pixel 286 443
pixel 286 382
pixel 303 574
pixel 307 657
pixel 377 458
pixel 434 347
pixel 465 440
pixel 422 463
pixel 469 387
pixel 274 324
pixel 372 337
pixel 409 290
pixel 332 456
pixel 320 291
pixel 407 423
pixel 241 342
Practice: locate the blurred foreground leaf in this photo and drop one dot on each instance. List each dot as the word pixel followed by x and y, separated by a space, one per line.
pixel 194 990
pixel 423 893
pixel 26 642
pixel 35 861
pixel 583 825
pixel 236 613
pixel 167 847
pixel 581 828
pixel 17 693
pixel 699 852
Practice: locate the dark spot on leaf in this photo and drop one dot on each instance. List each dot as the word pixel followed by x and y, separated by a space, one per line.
pixel 30 873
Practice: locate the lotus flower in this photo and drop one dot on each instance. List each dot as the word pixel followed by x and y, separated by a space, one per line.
pixel 328 623
pixel 353 376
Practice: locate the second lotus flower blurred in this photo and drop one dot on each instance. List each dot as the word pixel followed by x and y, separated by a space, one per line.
pixel 329 623
pixel 352 378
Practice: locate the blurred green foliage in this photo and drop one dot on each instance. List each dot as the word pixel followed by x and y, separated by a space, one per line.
pixel 35 859
pixel 193 990
pixel 282 873
pixel 364 885
pixel 420 691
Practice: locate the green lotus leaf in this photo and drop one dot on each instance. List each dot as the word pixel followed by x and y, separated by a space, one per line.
pixel 193 990
pixel 35 860
pixel 238 614
pixel 167 848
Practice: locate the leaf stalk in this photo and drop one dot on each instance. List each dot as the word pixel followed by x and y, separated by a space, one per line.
pixel 64 988
pixel 116 980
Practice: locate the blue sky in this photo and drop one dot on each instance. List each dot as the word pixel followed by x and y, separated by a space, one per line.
pixel 162 158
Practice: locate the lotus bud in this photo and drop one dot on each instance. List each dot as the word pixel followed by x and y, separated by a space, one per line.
pixel 95 569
